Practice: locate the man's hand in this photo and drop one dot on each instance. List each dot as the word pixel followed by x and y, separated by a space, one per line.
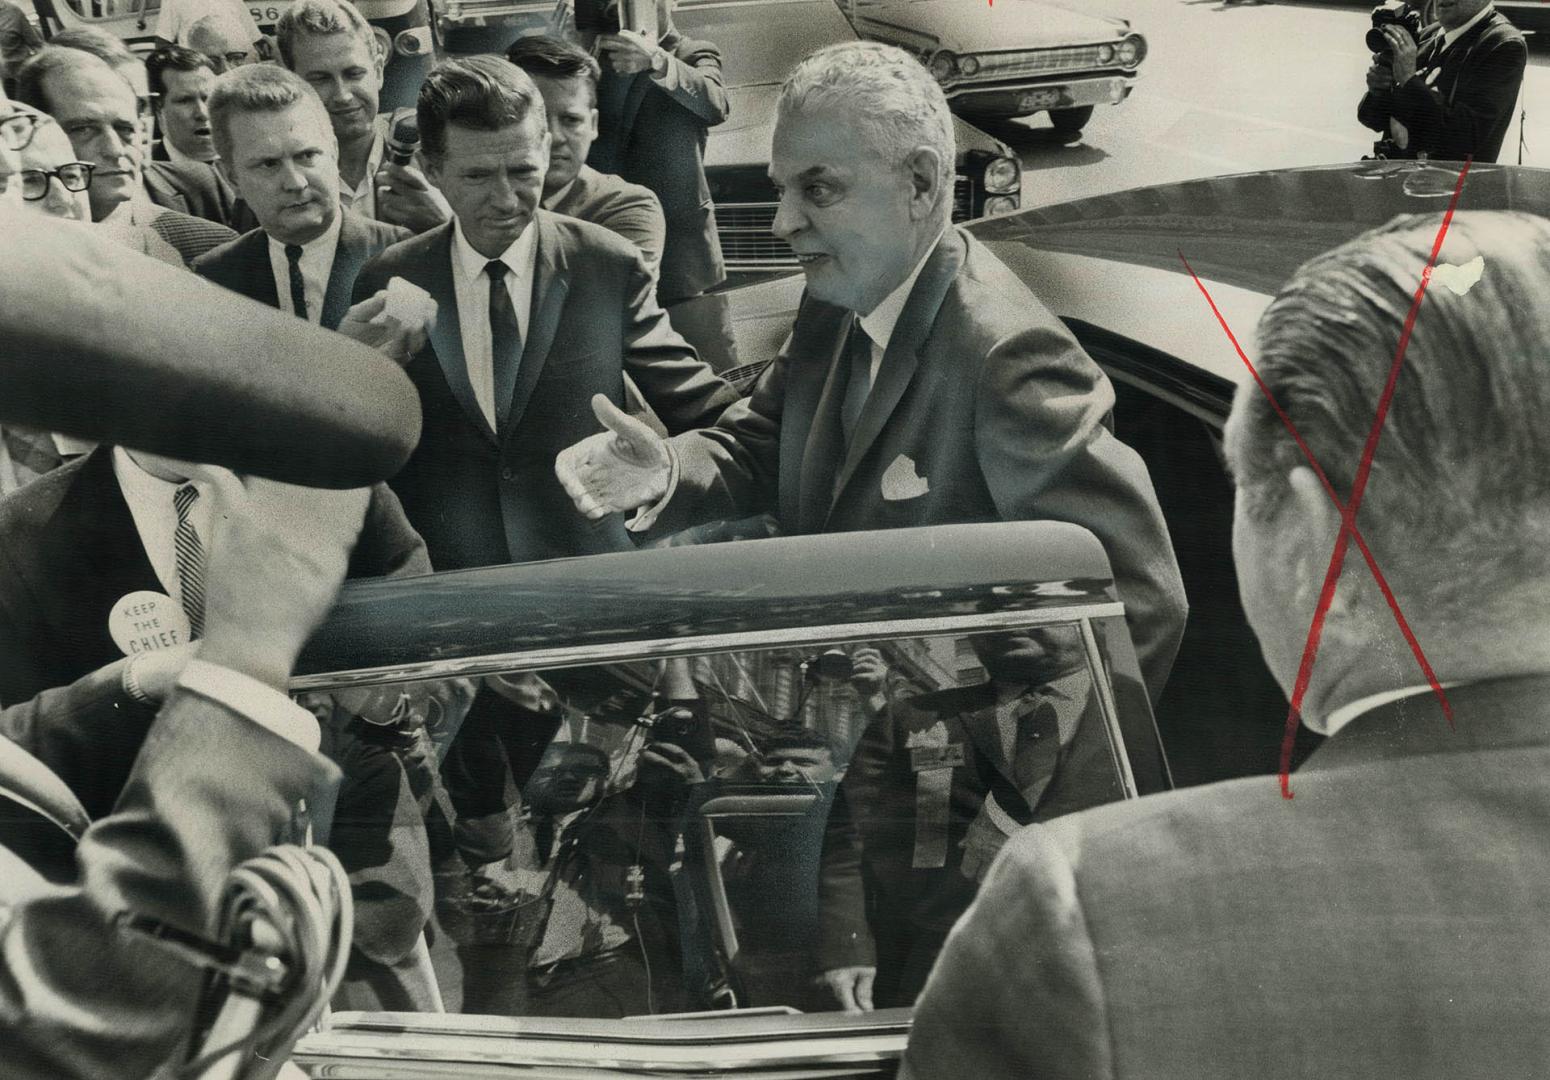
pixel 981 844
pixel 1404 50
pixel 370 323
pixel 278 554
pixel 156 672
pixel 405 197
pixel 1380 76
pixel 620 469
pixel 675 759
pixel 631 51
pixel 868 671
pixel 851 987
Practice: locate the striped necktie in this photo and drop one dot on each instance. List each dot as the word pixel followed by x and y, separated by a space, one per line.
pixel 191 560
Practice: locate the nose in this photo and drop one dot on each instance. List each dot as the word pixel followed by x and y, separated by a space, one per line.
pixel 291 177
pixel 57 200
pixel 789 218
pixel 202 112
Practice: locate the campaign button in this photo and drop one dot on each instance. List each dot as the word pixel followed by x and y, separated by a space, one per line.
pixel 145 621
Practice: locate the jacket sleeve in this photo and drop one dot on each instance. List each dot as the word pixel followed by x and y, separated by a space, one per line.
pixel 1016 992
pixel 389 546
pixel 79 995
pixel 638 218
pixel 693 79
pixel 844 937
pixel 1046 455
pixel 1375 109
pixel 1485 93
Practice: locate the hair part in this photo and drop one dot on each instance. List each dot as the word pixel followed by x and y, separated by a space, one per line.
pixel 320 18
pixel 173 58
pixel 259 88
pixel 547 57
pixel 888 93
pixel 485 93
pixel 1457 503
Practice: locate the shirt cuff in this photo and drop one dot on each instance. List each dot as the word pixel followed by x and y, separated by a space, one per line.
pixel 261 704
pixel 999 817
pixel 667 78
pixel 647 516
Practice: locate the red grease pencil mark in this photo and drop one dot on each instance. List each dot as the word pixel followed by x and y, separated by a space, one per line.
pixel 1349 510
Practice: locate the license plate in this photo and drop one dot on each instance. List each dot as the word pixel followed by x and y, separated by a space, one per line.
pixel 1038 99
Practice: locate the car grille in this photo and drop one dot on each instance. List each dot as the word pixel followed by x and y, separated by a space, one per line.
pixel 749 243
pixel 1010 65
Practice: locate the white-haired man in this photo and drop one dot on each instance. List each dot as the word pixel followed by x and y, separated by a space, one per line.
pixel 1392 920
pixel 921 384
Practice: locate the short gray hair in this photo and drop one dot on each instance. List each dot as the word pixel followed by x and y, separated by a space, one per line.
pixel 1462 470
pixel 321 17
pixel 255 88
pixel 893 97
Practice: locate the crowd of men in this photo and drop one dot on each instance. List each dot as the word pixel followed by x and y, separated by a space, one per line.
pixel 538 264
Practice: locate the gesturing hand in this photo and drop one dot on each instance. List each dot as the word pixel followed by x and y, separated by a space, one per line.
pixel 851 986
pixel 371 323
pixel 622 468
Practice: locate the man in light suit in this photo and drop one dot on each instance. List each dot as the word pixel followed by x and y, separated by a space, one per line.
pixel 567 77
pixel 1389 920
pixel 307 251
pixel 535 314
pixel 228 768
pixel 921 384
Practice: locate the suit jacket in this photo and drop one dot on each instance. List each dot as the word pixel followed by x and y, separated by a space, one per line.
pixel 198 189
pixel 618 206
pixel 82 997
pixel 242 265
pixel 653 133
pixel 189 236
pixel 1466 109
pixel 1391 920
pixel 984 409
pixel 480 497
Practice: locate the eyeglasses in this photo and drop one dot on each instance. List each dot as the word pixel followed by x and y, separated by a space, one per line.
pixel 73 176
pixel 16 130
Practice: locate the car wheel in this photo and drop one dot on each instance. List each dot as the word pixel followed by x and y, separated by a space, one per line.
pixel 1070 122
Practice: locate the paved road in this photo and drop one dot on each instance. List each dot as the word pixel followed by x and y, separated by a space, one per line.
pixel 1234 88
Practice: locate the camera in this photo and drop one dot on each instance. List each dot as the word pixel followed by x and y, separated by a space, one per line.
pixel 600 16
pixel 1393 13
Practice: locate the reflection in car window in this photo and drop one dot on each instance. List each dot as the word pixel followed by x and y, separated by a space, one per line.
pixel 786 826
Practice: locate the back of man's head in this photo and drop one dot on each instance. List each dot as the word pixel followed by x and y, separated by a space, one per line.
pixel 1457 505
pixel 546 57
pixel 484 93
pixel 258 88
pixel 319 17
pixel 893 99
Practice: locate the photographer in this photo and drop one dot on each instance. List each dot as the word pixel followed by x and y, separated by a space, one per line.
pixel 1447 90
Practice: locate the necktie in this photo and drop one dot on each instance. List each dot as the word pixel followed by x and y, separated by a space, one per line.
pixel 859 383
pixel 505 338
pixel 32 452
pixel 190 559
pixel 298 286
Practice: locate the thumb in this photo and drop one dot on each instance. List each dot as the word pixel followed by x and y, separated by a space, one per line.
pixel 630 430
pixel 864 989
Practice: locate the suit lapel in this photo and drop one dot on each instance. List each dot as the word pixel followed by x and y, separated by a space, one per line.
pixel 447 334
pixel 349 253
pixel 254 271
pixel 823 389
pixel 903 352
pixel 551 285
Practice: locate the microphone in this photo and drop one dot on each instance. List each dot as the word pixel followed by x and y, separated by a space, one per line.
pixel 403 137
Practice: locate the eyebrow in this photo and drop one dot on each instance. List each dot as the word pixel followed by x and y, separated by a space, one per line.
pixel 814 172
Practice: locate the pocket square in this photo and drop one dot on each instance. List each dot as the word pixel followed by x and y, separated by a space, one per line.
pixel 901 481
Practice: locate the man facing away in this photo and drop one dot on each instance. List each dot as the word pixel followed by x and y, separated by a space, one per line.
pixel 921 384
pixel 1391 918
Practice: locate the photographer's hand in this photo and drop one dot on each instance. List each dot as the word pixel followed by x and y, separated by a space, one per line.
pixel 1380 76
pixel 1405 51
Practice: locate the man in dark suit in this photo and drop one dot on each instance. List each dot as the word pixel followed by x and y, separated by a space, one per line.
pixel 657 99
pixel 182 174
pixel 567 78
pixel 1390 920
pixel 1450 98
pixel 306 252
pixel 224 772
pixel 921 384
pixel 513 359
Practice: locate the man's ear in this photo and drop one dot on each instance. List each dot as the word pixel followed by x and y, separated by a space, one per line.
pixel 1314 514
pixel 924 166
pixel 593 122
pixel 430 166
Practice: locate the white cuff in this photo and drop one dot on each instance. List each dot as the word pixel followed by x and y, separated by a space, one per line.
pixel 261 704
pixel 647 516
pixel 999 817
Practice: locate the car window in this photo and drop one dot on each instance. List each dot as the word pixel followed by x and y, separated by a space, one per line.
pixel 712 831
pixel 101 10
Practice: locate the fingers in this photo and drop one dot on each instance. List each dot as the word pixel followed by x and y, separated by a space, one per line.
pixel 864 988
pixel 640 442
pixel 844 991
pixel 568 465
pixel 369 308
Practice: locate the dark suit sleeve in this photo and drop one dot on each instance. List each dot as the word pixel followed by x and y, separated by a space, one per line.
pixel 682 389
pixel 389 546
pixel 693 80
pixel 844 938
pixel 1375 109
pixel 1016 992
pixel 1046 456
pixel 1486 92
pixel 638 218
pixel 80 997
pixel 373 276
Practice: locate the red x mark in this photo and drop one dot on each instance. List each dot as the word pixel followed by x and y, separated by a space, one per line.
pixel 1348 510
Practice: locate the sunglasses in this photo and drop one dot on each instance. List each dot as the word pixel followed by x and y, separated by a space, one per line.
pixel 74 176
pixel 17 129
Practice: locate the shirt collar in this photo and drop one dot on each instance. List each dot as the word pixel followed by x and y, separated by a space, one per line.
pixel 551 201
pixel 518 257
pixel 879 323
pixel 178 157
pixel 1342 716
pixel 328 239
pixel 373 163
pixel 140 487
pixel 1450 36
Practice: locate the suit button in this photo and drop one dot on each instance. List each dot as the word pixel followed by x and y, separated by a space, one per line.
pixel 506 474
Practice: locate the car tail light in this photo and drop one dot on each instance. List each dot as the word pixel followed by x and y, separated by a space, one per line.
pixel 1132 50
pixel 1002 176
pixel 1002 204
pixel 943 66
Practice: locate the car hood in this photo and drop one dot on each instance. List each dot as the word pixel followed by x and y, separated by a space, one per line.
pixel 972 26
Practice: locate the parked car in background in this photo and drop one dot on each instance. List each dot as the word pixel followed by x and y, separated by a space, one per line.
pixel 1013 58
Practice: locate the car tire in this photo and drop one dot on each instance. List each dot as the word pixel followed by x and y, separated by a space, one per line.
pixel 1070 122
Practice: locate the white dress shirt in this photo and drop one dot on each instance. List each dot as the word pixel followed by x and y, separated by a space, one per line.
pixel 178 157
pixel 317 262
pixel 150 505
pixel 879 323
pixel 1342 716
pixel 471 288
pixel 362 197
